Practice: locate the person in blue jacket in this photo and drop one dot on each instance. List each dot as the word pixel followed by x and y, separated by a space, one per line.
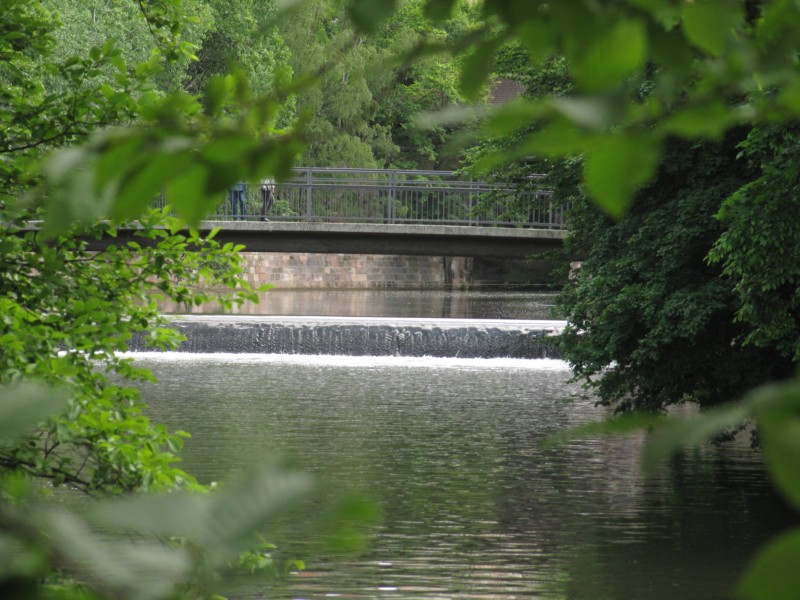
pixel 239 201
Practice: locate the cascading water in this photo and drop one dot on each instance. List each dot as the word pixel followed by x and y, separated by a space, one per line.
pixel 465 338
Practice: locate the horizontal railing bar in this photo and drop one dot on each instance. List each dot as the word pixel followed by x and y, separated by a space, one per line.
pixel 342 195
pixel 451 189
pixel 387 171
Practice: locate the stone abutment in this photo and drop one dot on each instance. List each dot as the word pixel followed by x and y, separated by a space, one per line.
pixel 299 270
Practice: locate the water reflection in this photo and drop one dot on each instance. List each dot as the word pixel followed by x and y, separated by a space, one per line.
pixel 462 304
pixel 474 504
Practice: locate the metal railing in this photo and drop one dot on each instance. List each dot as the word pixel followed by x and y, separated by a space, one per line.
pixel 337 195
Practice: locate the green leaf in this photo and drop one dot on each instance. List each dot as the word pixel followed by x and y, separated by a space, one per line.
pixel 138 191
pixel 343 523
pixel 773 574
pixel 670 48
pixel 677 433
pixel 476 68
pixel 663 11
pixel 188 194
pixel 616 166
pixel 218 90
pixel 244 506
pixel 161 515
pixel 537 37
pixel 590 112
pixel 23 406
pixel 125 570
pixel 368 15
pixel 619 425
pixel 781 439
pixel 710 24
pixel 556 139
pixel 790 96
pixel 709 119
pixel 223 521
pixel 119 156
pixel 613 56
pixel 439 10
pixel 777 22
pixel 64 162
pixel 452 115
pixel 74 202
pixel 229 149
pixel 512 116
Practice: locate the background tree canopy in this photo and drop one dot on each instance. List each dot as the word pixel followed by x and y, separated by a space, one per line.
pixel 651 321
pixel 89 135
pixel 678 120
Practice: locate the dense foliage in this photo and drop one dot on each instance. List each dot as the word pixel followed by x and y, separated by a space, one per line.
pixel 759 246
pixel 642 73
pixel 362 112
pixel 64 308
pixel 697 57
pixel 651 322
pixel 690 295
pixel 67 313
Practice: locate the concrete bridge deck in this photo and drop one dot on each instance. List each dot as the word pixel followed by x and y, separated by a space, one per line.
pixel 360 238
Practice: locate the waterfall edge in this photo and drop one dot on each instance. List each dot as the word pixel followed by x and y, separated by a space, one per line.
pixel 368 337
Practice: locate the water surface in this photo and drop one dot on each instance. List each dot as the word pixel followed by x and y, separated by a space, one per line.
pixel 461 304
pixel 474 503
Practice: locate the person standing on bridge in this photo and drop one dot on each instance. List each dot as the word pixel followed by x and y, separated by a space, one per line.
pixel 267 190
pixel 238 200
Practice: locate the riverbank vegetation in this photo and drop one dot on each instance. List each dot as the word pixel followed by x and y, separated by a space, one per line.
pixel 89 134
pixel 670 129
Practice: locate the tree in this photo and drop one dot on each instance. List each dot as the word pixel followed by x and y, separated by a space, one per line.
pixel 644 74
pixel 708 65
pixel 651 324
pixel 85 24
pixel 56 294
pixel 64 309
pixel 760 239
pixel 426 85
pixel 243 35
pixel 704 55
pixel 66 313
pixel 361 113
pixel 337 110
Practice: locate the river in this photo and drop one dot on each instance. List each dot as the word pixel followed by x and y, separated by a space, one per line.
pixel 474 503
pixel 485 303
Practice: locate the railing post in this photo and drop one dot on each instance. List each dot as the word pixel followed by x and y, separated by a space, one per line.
pixel 423 200
pixel 392 196
pixel 470 203
pixel 309 188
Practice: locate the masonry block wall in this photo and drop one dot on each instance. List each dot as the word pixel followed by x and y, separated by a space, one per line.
pixel 355 271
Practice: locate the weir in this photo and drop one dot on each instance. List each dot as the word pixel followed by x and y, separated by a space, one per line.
pixel 367 336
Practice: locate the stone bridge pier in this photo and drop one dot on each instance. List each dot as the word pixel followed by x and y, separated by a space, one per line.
pixel 357 271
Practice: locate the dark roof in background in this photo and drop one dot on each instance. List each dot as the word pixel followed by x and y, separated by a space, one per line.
pixel 505 90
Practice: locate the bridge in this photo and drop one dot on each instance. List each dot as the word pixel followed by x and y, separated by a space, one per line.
pixel 409 240
pixel 404 212
pixel 395 196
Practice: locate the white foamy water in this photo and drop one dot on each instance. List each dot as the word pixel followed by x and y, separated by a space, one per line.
pixel 433 362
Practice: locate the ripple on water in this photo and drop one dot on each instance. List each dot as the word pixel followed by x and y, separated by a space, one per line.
pixel 474 503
